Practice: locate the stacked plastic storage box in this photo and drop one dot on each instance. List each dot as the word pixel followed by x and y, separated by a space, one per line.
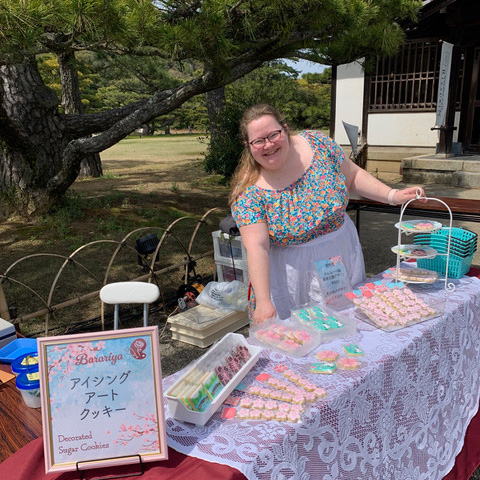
pixel 201 326
pixel 230 257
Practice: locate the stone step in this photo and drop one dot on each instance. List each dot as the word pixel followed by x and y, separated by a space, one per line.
pixel 430 163
pixel 466 179
pixel 460 171
pixel 471 165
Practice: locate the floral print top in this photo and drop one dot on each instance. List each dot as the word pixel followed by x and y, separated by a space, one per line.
pixel 313 205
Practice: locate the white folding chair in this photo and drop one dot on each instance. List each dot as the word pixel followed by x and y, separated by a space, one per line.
pixel 129 292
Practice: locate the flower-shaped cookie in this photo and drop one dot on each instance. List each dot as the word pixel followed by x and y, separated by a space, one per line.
pixel 327 355
pixel 348 363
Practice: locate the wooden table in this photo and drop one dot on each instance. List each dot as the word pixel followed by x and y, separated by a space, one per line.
pixel 463 209
pixel 19 424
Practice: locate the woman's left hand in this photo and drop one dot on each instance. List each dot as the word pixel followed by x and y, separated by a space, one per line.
pixel 403 196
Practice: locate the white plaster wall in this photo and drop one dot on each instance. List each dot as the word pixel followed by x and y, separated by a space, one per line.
pixel 404 129
pixel 349 103
pixel 396 129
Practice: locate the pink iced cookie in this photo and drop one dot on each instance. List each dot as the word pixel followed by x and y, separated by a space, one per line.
pixel 270 405
pixel 281 416
pixel 298 399
pixel 272 382
pixel 292 390
pixel 297 408
pixel 286 397
pixel 320 392
pixel 285 407
pixel 243 413
pixel 310 397
pixel 327 355
pixel 295 378
pixel 255 414
pixel 348 363
pixel 246 403
pixel 268 415
pixel 293 417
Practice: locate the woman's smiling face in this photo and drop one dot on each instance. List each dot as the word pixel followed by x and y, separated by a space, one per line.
pixel 272 155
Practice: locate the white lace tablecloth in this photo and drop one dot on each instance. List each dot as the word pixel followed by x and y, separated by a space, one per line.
pixel 402 415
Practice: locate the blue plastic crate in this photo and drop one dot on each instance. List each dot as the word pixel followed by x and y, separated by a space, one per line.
pixel 18 347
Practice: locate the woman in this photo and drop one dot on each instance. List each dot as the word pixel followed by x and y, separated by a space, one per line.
pixel 289 200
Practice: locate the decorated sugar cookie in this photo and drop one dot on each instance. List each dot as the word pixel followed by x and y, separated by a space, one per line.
pixel 327 355
pixel 348 363
pixel 353 349
pixel 323 367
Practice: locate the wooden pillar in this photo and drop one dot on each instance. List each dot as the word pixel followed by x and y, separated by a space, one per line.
pixel 367 82
pixel 4 313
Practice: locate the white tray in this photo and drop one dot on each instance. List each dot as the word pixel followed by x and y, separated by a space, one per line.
pixel 365 318
pixel 413 251
pixel 414 226
pixel 180 412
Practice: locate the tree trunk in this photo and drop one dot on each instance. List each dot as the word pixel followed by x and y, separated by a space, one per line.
pixel 215 105
pixel 41 149
pixel 91 165
pixel 32 142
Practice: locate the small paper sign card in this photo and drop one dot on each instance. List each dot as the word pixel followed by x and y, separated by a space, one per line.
pixel 102 402
pixel 334 282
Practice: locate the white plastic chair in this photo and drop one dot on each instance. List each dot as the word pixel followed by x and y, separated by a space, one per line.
pixel 129 292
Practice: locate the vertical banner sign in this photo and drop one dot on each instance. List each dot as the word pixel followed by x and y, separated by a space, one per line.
pixel 102 402
pixel 443 83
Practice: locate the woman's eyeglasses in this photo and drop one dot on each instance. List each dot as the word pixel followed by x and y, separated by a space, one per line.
pixel 272 137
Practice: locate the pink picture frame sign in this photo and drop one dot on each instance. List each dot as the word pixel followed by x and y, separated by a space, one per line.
pixel 102 400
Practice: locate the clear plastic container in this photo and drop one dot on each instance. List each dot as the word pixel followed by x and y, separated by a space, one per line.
pixel 29 386
pixel 26 363
pixel 211 362
pixel 329 323
pixel 289 337
pixel 228 246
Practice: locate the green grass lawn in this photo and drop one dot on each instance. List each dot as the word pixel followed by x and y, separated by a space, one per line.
pixel 148 184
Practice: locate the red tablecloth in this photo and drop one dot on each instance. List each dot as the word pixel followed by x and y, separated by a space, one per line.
pixel 29 464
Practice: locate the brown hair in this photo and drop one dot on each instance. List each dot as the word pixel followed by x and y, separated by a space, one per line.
pixel 248 169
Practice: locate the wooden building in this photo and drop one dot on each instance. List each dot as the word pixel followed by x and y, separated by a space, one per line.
pixel 395 104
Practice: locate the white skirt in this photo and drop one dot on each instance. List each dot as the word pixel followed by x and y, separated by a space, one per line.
pixel 293 277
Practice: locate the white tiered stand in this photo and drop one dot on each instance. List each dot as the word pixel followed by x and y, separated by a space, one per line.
pixel 449 287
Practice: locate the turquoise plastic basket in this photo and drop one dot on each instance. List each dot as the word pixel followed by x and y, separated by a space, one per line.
pixel 457 266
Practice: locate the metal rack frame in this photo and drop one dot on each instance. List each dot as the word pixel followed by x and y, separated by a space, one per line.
pixel 449 287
